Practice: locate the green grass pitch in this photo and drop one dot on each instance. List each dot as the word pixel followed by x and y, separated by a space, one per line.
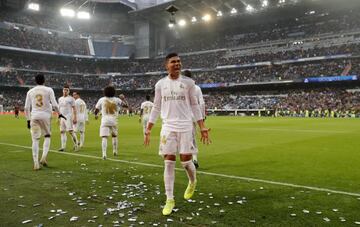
pixel 257 172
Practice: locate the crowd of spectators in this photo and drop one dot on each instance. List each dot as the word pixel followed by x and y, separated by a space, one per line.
pixel 52 20
pixel 307 26
pixel 271 73
pixel 40 40
pixel 208 61
pixel 292 102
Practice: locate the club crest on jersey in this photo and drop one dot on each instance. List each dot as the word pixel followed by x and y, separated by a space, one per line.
pixel 182 86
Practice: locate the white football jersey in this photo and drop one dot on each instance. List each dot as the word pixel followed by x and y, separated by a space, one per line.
pixel 146 108
pixel 176 101
pixel 66 104
pixel 81 110
pixel 40 100
pixel 110 108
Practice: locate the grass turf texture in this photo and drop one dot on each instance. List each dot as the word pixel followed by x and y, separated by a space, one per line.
pixel 321 153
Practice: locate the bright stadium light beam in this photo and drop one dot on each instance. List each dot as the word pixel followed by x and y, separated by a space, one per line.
pixel 265 3
pixel 66 12
pixel 233 11
pixel 206 17
pixel 182 22
pixel 219 14
pixel 249 8
pixel 33 6
pixel 171 25
pixel 193 19
pixel 83 15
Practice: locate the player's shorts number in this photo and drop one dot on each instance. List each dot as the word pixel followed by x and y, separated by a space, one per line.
pixel 39 100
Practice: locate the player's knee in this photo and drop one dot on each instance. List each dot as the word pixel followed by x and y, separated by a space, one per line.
pixel 170 157
pixel 185 157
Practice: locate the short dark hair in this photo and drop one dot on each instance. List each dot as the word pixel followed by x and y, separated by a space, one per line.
pixel 78 93
pixel 188 73
pixel 109 91
pixel 171 55
pixel 40 79
pixel 66 86
pixel 147 97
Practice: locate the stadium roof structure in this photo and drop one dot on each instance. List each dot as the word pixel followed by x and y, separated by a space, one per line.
pixel 197 8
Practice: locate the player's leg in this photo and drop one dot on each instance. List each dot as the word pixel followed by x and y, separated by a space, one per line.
pixel 81 129
pixel 195 157
pixel 168 148
pixel 114 132
pixel 45 126
pixel 63 134
pixel 145 122
pixel 35 136
pixel 187 149
pixel 104 133
pixel 69 128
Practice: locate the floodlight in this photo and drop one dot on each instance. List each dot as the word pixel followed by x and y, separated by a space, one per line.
pixel 265 3
pixel 219 14
pixel 281 1
pixel 33 6
pixel 83 15
pixel 66 12
pixel 193 19
pixel 233 11
pixel 206 17
pixel 182 22
pixel 249 8
pixel 171 25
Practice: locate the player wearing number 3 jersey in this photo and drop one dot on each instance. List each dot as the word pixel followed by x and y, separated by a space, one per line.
pixel 38 109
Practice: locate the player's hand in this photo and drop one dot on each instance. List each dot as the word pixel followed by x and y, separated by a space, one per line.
pixel 62 116
pixel 28 125
pixel 205 136
pixel 147 137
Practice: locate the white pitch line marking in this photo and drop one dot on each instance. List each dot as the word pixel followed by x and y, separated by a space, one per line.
pixel 204 173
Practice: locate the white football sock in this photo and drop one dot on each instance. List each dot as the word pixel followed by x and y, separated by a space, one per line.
pixel 46 147
pixel 169 178
pixel 194 157
pixel 35 151
pixel 104 146
pixel 190 170
pixel 63 140
pixel 82 138
pixel 115 144
pixel 74 138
